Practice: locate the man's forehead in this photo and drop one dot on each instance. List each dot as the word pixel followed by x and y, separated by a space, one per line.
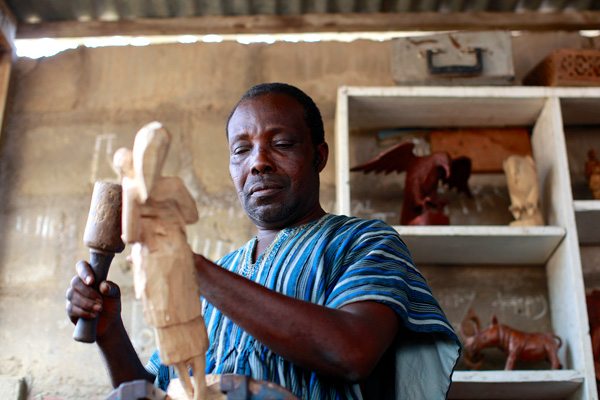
pixel 272 106
pixel 273 101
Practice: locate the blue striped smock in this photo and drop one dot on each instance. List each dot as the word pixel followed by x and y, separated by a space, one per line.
pixel 333 261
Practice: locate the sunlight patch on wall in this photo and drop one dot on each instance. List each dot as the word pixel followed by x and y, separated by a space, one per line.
pixel 47 47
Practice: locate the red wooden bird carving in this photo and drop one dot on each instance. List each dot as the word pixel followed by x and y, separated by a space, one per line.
pixel 422 205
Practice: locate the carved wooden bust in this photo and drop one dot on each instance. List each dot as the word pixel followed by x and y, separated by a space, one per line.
pixel 521 177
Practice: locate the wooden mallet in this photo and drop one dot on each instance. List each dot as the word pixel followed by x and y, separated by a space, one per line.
pixel 103 237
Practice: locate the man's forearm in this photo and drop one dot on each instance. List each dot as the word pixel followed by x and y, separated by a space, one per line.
pixel 331 341
pixel 120 358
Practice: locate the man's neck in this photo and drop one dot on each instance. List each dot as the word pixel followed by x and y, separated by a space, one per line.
pixel 265 236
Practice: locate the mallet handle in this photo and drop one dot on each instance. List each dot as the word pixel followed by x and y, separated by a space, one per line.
pixel 85 330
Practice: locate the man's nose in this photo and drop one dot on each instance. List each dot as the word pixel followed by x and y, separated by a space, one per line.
pixel 262 161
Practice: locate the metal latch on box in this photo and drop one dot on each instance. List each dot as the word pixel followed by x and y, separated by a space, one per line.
pixel 456 70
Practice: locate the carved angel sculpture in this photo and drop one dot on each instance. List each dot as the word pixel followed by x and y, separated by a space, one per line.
pixel 421 204
pixel 521 177
pixel 592 173
pixel 155 211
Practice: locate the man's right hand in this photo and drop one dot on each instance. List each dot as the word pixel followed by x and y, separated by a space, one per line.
pixel 83 301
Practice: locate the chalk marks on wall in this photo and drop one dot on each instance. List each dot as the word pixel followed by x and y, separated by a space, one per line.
pixel 532 307
pixel 43 225
pixel 524 307
pixel 211 248
pixel 457 299
pixel 365 209
pixel 102 158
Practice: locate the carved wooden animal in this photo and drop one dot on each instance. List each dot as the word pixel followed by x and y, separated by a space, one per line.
pixel 592 173
pixel 155 211
pixel 518 345
pixel 521 177
pixel 421 204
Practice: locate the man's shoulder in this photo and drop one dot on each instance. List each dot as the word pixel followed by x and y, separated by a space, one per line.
pixel 345 222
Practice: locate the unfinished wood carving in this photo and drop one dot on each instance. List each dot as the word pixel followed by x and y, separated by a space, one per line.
pixel 155 211
pixel 521 177
pixel 592 173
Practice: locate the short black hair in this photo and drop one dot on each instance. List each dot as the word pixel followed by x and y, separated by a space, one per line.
pixel 312 115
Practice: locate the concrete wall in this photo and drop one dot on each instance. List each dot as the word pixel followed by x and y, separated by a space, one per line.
pixel 66 116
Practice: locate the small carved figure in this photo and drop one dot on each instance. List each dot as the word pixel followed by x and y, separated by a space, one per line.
pixel 525 346
pixel 521 177
pixel 592 173
pixel 593 307
pixel 421 204
pixel 155 212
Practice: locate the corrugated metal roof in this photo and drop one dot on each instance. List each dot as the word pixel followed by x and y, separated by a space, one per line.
pixel 31 11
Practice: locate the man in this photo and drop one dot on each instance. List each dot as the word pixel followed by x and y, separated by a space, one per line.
pixel 327 306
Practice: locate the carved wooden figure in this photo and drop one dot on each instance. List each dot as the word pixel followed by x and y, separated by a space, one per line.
pixel 421 204
pixel 593 307
pixel 155 211
pixel 518 345
pixel 521 177
pixel 592 173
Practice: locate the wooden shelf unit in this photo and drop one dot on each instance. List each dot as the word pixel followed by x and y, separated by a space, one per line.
pixel 525 385
pixel 581 107
pixel 587 216
pixel 487 244
pixel 554 246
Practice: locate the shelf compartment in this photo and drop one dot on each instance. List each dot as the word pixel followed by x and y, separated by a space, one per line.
pixel 481 244
pixel 587 217
pixel 526 385
pixel 363 111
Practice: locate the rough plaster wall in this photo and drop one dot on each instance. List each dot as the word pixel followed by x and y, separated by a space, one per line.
pixel 69 113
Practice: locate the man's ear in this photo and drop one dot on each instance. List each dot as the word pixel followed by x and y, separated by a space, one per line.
pixel 321 156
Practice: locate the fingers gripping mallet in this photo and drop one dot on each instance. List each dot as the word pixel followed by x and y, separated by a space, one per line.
pixel 103 237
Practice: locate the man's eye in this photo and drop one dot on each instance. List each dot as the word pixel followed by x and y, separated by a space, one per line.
pixel 283 144
pixel 240 150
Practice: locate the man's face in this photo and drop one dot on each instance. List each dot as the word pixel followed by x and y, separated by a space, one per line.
pixel 273 162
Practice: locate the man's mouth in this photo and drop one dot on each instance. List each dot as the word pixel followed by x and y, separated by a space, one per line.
pixel 264 189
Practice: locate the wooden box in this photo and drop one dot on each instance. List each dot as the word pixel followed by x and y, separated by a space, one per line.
pixel 567 67
pixel 457 58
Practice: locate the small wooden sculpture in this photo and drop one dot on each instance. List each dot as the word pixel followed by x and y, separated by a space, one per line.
pixel 421 204
pixel 592 173
pixel 593 307
pixel 521 177
pixel 518 345
pixel 155 212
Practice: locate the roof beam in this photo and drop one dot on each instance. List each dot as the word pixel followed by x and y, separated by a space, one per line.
pixel 8 27
pixel 354 22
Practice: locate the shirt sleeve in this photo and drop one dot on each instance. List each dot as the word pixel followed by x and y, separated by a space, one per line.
pixel 377 266
pixel 161 371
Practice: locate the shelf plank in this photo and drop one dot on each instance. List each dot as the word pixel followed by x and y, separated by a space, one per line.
pixel 587 216
pixel 481 244
pixel 526 385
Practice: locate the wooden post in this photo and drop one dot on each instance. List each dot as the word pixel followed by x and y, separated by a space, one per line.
pixel 8 27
